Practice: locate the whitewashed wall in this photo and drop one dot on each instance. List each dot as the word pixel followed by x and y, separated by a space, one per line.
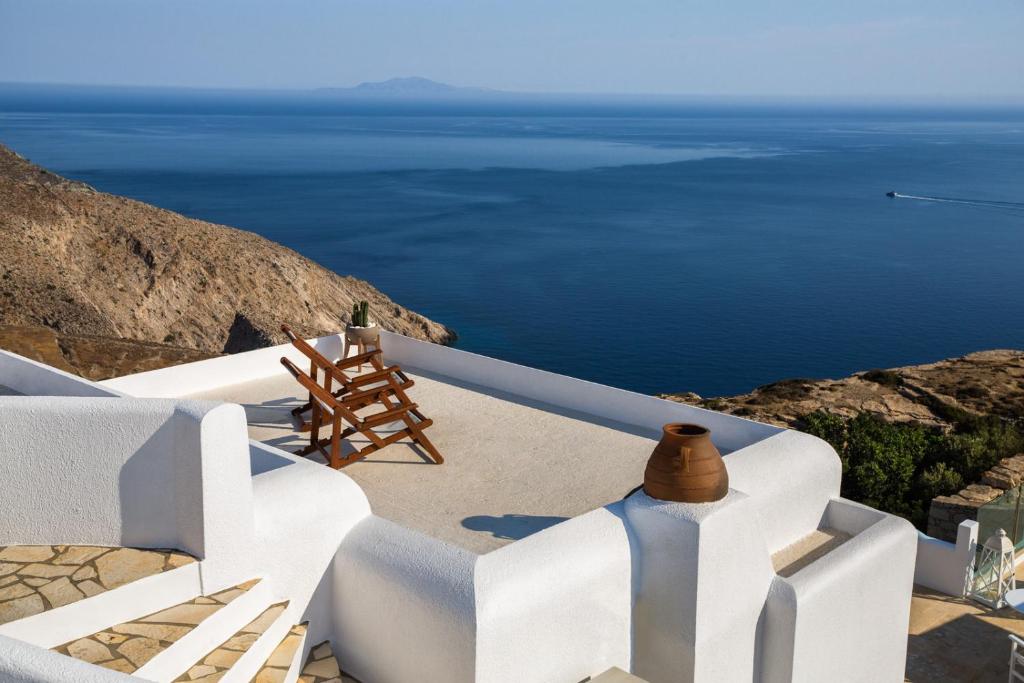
pixel 32 378
pixel 729 432
pixel 704 573
pixel 557 605
pixel 404 606
pixel 212 373
pixel 791 478
pixel 944 566
pixel 845 616
pixel 119 471
pixel 302 511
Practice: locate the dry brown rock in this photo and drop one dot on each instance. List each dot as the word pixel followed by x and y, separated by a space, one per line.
pixel 82 262
pixel 986 382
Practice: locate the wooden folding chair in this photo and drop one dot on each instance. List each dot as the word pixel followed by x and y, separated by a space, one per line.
pixel 336 380
pixel 330 409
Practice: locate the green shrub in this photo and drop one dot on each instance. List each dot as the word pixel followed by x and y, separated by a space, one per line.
pixel 900 467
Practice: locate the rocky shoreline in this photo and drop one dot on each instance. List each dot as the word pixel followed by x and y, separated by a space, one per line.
pixel 983 383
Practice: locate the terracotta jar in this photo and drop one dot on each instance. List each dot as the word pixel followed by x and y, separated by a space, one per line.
pixel 686 467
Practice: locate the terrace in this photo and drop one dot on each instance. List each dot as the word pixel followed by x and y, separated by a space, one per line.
pixel 514 464
pixel 518 558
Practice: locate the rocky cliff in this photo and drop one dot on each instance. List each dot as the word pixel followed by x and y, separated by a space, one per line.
pixel 84 263
pixel 985 383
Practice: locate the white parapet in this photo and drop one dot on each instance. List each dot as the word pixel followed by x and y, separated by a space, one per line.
pixel 557 605
pixel 129 472
pixel 704 573
pixel 32 378
pixel 845 616
pixel 944 566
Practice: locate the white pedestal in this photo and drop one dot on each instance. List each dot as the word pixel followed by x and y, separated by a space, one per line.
pixel 701 582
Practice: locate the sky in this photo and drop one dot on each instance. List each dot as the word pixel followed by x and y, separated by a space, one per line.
pixel 824 48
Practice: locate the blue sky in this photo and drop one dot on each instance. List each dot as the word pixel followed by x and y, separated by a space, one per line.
pixel 949 48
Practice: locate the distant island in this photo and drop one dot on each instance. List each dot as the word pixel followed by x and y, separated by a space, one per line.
pixel 409 86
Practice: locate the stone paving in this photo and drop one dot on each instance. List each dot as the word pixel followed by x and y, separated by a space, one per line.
pixel 275 669
pixel 322 667
pixel 36 578
pixel 126 647
pixel 214 665
pixel 953 639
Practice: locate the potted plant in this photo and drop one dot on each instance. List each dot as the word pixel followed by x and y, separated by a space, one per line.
pixel 361 330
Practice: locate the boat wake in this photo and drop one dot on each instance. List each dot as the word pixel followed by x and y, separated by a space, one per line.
pixel 985 203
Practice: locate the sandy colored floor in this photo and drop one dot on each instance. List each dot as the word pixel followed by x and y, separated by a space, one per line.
pixel 511 467
pixel 796 556
pixel 958 640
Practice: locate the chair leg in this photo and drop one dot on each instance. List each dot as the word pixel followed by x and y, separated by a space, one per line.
pixel 415 430
pixel 335 460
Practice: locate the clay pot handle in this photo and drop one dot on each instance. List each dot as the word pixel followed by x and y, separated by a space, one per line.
pixel 685 452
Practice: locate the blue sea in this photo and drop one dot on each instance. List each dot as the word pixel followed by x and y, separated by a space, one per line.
pixel 655 247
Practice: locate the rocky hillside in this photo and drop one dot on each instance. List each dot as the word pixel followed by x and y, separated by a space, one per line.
pixel 90 356
pixel 985 383
pixel 84 263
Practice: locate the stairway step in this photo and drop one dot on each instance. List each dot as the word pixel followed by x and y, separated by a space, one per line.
pixel 129 646
pixel 322 667
pixel 282 666
pixel 80 581
pixel 214 665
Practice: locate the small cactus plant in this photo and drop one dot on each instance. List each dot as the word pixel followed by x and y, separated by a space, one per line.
pixel 361 314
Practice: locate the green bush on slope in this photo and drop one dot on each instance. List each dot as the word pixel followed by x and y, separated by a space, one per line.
pixel 900 467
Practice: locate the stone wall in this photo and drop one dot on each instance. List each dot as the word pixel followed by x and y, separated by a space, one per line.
pixel 947 512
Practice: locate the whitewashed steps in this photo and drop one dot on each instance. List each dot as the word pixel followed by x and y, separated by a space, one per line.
pixel 134 645
pixel 240 657
pixel 68 615
pixel 253 600
pixel 285 662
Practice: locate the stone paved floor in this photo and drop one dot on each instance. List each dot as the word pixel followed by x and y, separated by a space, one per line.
pixel 126 647
pixel 322 667
pixel 952 639
pixel 214 665
pixel 35 578
pixel 276 667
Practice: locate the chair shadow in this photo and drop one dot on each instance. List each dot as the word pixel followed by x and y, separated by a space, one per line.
pixel 511 527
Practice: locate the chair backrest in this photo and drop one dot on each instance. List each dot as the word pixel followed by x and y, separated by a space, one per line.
pixel 321 396
pixel 307 350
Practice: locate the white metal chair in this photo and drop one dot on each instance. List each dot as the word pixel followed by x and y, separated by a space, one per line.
pixel 1016 659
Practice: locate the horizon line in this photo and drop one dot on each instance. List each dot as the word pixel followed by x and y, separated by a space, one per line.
pixel 482 92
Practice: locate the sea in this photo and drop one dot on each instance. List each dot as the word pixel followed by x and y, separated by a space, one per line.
pixel 657 246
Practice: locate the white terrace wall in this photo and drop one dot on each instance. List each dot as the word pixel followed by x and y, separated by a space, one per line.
pixel 944 566
pixel 404 606
pixel 557 605
pixel 31 378
pixel 206 375
pixel 129 472
pixel 303 511
pixel 846 615
pixel 729 432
